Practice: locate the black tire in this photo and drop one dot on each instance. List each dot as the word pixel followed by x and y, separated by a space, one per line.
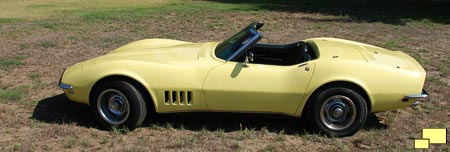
pixel 118 104
pixel 337 112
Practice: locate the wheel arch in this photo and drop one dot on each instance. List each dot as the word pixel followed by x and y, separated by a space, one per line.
pixel 148 97
pixel 347 84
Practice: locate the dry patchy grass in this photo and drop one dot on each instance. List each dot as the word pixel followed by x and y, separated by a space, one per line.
pixel 14 10
pixel 36 46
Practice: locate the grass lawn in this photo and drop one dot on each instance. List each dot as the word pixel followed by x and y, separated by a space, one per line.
pixel 38 39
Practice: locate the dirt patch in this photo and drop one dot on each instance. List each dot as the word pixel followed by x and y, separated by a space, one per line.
pixel 47 47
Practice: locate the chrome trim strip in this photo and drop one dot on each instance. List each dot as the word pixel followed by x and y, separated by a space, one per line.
pixel 424 94
pixel 65 86
pixel 228 111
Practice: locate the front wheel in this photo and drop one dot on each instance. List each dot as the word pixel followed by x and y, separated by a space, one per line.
pixel 118 104
pixel 337 112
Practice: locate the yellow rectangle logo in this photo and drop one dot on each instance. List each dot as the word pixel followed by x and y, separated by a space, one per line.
pixel 422 143
pixel 436 136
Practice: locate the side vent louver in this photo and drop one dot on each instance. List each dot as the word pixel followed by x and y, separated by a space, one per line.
pixel 182 97
pixel 189 97
pixel 166 96
pixel 178 97
pixel 174 97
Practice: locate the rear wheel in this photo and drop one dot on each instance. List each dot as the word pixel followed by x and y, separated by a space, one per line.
pixel 118 104
pixel 337 112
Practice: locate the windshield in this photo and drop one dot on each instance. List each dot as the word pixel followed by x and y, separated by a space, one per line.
pixel 236 45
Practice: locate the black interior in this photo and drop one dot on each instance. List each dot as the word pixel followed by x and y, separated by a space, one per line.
pixel 288 54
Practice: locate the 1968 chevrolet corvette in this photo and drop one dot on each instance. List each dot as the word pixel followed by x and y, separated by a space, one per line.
pixel 333 83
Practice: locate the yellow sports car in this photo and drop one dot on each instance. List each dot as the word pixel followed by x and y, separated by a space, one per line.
pixel 333 83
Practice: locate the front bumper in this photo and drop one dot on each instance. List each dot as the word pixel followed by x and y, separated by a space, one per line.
pixel 64 86
pixel 416 97
pixel 67 88
pixel 74 90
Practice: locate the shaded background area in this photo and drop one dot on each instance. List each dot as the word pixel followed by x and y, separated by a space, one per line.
pixel 60 110
pixel 397 12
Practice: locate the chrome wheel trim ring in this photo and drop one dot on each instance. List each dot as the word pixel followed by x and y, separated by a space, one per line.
pixel 113 106
pixel 338 112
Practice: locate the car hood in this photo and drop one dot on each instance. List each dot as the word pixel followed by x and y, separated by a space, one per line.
pixel 156 50
pixel 351 50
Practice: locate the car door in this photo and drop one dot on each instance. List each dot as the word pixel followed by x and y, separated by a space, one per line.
pixel 233 86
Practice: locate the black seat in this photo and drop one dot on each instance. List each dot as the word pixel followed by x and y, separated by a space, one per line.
pixel 288 54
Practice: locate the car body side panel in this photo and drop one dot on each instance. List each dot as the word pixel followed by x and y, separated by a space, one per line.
pixel 257 88
pixel 177 71
pixel 386 86
pixel 188 76
pixel 386 90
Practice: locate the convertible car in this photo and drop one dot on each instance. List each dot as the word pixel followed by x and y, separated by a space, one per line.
pixel 333 83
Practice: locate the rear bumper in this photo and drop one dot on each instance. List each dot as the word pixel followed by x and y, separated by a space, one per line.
pixel 424 94
pixel 416 97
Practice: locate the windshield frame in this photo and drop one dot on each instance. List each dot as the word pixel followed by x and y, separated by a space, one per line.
pixel 233 47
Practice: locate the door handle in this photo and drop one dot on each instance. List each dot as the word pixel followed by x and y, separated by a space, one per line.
pixel 303 64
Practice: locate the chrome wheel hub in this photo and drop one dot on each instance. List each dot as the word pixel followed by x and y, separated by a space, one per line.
pixel 338 112
pixel 113 106
pixel 116 105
